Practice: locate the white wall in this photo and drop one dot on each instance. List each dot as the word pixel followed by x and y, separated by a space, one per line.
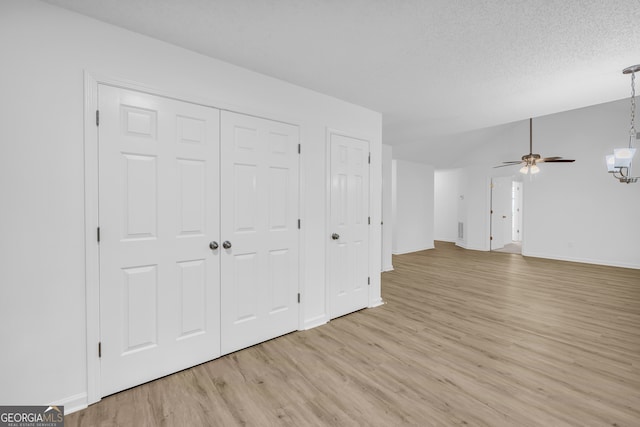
pixel 446 199
pixel 387 212
pixel 413 221
pixel 579 212
pixel 572 211
pixel 46 51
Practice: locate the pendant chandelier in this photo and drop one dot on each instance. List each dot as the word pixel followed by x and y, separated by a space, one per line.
pixel 619 163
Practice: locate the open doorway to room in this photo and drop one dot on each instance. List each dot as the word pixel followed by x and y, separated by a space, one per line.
pixel 506 215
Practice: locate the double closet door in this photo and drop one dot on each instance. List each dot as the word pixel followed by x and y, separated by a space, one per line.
pixel 198 237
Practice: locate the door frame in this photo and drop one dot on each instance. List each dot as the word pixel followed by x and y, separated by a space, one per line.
pixel 492 194
pixel 330 132
pixel 521 182
pixel 91 206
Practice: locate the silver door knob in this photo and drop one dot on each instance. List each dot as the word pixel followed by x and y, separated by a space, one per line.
pixel 213 245
pixel 335 236
pixel 226 244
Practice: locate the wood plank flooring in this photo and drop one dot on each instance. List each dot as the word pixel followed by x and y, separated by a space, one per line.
pixel 465 338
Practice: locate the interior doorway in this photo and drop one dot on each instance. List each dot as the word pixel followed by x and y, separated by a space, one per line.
pixel 506 215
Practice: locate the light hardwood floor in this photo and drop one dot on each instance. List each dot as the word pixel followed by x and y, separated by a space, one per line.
pixel 465 338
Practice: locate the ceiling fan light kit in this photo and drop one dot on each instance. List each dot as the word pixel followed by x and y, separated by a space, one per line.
pixel 619 163
pixel 530 170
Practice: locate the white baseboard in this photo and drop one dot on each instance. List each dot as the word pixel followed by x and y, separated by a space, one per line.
pixel 376 303
pixel 411 250
pixel 471 248
pixel 314 322
pixel 387 268
pixel 582 260
pixel 72 403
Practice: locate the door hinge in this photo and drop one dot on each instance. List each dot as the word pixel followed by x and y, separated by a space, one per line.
pixel 298 297
pixel 299 149
pixel 369 158
pixel 368 280
pixel 298 223
pixel 369 220
pixel 97 117
pixel 98 234
pixel 99 349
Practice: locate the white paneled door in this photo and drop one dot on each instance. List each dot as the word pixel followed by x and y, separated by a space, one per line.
pixel 348 253
pixel 259 229
pixel 158 216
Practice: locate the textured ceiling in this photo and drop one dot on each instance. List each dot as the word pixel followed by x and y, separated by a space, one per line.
pixel 431 67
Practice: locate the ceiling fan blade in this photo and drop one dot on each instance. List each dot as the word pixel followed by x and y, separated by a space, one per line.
pixel 546 159
pixel 508 164
pixel 560 161
pixel 513 162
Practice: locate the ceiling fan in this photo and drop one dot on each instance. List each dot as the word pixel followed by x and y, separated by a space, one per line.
pixel 529 161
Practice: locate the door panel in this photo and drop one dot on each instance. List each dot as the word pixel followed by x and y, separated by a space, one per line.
pixel 191 196
pixel 140 291
pixel 349 253
pixel 192 289
pixel 259 200
pixel 158 211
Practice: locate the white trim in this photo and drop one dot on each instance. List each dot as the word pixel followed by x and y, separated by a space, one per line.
pixel 92 252
pixel 376 303
pixel 491 214
pixel 191 98
pixel 435 239
pixel 327 222
pixel 582 260
pixel 375 229
pixel 411 250
pixel 73 403
pixel 314 322
pixel 387 268
pixel 488 191
pixel 302 235
pixel 472 248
